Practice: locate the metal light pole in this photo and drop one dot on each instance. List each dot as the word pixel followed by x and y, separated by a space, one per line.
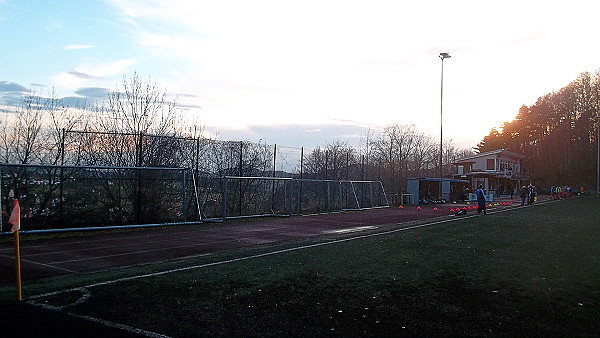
pixel 442 57
pixel 598 156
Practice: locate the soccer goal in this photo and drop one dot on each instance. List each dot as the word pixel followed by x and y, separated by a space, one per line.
pixel 62 197
pixel 238 197
pixel 363 195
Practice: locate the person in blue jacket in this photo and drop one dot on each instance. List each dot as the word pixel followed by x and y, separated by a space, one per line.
pixel 480 200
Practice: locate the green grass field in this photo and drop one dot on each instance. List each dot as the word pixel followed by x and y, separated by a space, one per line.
pixel 525 272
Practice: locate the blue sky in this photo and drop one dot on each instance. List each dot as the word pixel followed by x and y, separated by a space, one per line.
pixel 304 73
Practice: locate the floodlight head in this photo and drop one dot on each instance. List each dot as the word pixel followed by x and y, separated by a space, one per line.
pixel 444 56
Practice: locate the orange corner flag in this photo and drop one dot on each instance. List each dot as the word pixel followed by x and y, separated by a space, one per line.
pixel 15 220
pixel 15 217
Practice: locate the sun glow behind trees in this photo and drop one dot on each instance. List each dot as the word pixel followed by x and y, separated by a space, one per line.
pixel 558 134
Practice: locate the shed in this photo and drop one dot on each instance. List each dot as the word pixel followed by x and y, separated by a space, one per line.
pixel 434 190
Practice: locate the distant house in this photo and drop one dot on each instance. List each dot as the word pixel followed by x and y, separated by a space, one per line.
pixel 499 171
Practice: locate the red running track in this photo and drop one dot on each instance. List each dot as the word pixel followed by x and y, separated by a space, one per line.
pixel 43 258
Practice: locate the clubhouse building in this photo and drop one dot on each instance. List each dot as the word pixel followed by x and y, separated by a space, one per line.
pixel 499 171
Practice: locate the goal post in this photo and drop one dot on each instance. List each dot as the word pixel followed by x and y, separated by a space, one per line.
pixel 65 197
pixel 76 197
pixel 360 195
pixel 241 197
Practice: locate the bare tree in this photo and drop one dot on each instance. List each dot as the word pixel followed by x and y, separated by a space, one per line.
pixel 125 120
pixel 140 107
pixel 424 155
pixel 34 135
pixel 394 147
pixel 333 162
pixel 23 134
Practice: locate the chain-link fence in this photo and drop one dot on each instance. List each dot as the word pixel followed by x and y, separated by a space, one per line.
pixel 86 196
pixel 119 179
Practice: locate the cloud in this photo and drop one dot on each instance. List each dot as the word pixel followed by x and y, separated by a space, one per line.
pixel 186 95
pixel 11 99
pixel 306 135
pixel 77 47
pixel 188 106
pixel 74 101
pixel 11 96
pixel 81 75
pixel 7 109
pixel 93 92
pixel 106 69
pixel 11 87
pixel 11 93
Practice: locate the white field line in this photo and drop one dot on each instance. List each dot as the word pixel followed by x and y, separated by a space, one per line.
pixel 86 292
pixel 38 263
pixel 140 240
pixel 101 321
pixel 349 230
pixel 271 253
pixel 138 252
pixel 171 232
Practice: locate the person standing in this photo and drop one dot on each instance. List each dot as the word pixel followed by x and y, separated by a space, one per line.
pixel 523 194
pixel 480 200
pixel 532 194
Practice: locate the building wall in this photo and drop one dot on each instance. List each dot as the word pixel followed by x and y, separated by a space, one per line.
pixel 500 163
pixel 497 171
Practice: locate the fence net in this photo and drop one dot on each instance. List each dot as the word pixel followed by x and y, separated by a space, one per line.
pixel 69 196
pixel 276 196
pixel 54 197
pixel 112 179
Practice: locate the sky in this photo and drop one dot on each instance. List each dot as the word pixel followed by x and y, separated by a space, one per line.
pixel 306 73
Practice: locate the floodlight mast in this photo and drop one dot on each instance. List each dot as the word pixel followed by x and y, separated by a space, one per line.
pixel 442 57
pixel 598 155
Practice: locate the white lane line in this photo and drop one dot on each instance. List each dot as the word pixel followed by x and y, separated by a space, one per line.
pixel 270 253
pixel 276 252
pixel 101 321
pixel 38 263
pixel 349 230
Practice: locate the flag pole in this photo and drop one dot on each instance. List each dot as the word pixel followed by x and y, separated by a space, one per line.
pixel 1 214
pixel 18 266
pixel 15 220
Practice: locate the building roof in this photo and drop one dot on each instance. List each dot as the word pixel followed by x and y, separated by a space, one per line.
pixel 433 179
pixel 488 153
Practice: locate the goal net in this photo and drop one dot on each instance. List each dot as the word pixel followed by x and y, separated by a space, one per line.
pixel 55 197
pixel 237 197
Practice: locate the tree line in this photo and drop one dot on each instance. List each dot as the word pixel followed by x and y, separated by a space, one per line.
pixel 558 135
pixel 139 126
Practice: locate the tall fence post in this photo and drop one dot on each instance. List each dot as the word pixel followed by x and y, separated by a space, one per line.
pixel 184 194
pixel 138 205
pixel 273 175
pixel 61 177
pixel 326 162
pixel 241 173
pixel 197 159
pixel 301 180
pixel 224 198
pixel 362 167
pixel 1 201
